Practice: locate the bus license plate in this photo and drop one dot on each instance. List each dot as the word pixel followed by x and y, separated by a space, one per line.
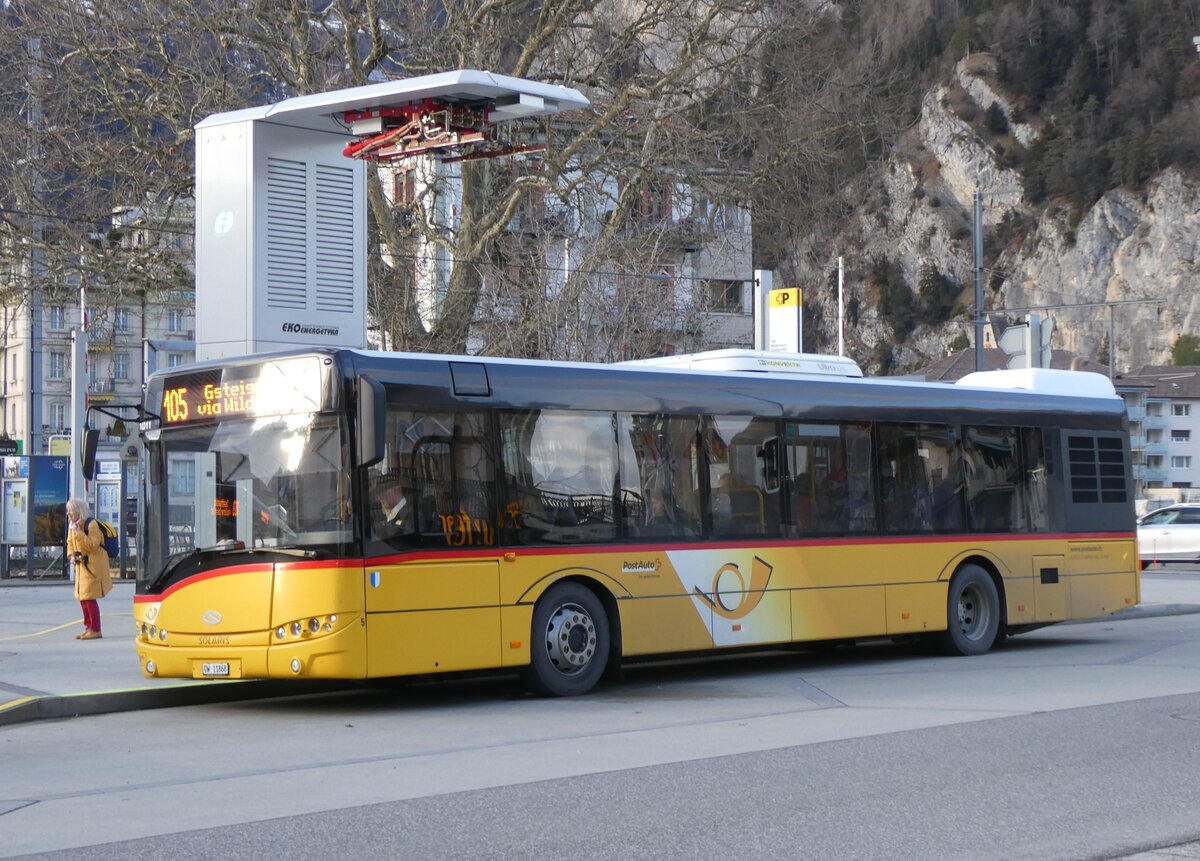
pixel 219 668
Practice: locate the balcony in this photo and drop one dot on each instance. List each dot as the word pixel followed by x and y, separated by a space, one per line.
pixel 1150 420
pixel 1149 473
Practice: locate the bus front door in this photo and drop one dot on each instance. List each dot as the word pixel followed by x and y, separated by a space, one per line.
pixel 432 617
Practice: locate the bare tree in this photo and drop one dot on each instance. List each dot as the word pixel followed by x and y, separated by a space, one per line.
pixel 733 101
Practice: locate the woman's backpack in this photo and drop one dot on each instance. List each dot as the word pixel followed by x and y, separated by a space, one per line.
pixel 111 545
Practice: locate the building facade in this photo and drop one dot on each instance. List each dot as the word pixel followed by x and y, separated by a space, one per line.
pixel 130 332
pixel 1167 418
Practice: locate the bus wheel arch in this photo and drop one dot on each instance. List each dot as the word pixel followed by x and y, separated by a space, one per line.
pixel 572 638
pixel 974 609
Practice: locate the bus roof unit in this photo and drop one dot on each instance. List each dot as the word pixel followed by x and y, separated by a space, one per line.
pixel 757 361
pixel 1084 384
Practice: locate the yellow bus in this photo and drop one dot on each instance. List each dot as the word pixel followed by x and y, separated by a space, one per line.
pixel 351 514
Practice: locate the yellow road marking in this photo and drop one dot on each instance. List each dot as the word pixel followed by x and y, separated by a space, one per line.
pixel 78 621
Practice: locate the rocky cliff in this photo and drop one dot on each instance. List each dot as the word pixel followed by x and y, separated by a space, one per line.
pixel 1130 263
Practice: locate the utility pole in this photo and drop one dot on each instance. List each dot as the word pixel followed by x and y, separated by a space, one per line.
pixel 841 307
pixel 979 319
pixel 37 262
pixel 79 379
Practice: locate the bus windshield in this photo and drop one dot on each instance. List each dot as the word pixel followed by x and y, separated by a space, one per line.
pixel 261 482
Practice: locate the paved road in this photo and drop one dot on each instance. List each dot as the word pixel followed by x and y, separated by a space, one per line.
pixel 1077 741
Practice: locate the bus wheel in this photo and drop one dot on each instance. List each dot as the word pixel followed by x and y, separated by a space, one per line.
pixel 569 642
pixel 973 613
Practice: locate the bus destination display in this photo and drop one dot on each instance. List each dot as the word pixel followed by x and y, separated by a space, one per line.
pixel 205 397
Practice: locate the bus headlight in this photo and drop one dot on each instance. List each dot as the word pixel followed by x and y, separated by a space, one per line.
pixel 162 634
pixel 296 629
pixel 280 632
pixel 295 665
pixel 314 625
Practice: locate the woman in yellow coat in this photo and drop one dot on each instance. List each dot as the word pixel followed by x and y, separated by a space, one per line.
pixel 85 548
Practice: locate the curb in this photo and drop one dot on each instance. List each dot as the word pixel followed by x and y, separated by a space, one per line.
pixel 53 706
pixel 1150 611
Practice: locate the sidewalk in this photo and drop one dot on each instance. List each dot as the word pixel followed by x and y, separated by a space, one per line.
pixel 46 673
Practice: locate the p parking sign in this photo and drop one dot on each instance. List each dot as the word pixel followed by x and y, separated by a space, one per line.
pixel 783 320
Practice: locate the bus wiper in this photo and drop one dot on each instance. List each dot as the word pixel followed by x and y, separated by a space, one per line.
pixel 221 548
pixel 173 562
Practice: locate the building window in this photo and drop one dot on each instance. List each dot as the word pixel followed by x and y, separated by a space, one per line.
pixel 93 375
pixel 176 319
pixel 12 367
pixel 58 415
pixel 121 366
pixel 58 317
pixel 1181 436
pixel 183 476
pixel 1181 461
pixel 1181 409
pixel 58 365
pixel 121 320
pixel 174 360
pixel 725 295
pixel 404 190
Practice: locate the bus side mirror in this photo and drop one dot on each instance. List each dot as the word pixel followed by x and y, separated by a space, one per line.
pixel 154 462
pixel 372 420
pixel 87 452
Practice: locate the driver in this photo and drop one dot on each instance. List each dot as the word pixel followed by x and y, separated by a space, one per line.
pixel 395 511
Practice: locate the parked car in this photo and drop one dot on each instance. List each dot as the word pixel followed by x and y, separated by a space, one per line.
pixel 1170 534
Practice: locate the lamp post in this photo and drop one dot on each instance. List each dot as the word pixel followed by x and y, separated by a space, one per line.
pixel 79 351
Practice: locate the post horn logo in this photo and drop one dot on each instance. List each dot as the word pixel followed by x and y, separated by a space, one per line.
pixel 732 597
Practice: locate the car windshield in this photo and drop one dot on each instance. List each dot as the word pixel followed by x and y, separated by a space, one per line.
pixel 265 482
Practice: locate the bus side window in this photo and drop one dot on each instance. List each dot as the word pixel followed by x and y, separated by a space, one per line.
pixel 831 487
pixel 742 499
pixel 992 462
pixel 658 490
pixel 920 473
pixel 444 462
pixel 559 471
